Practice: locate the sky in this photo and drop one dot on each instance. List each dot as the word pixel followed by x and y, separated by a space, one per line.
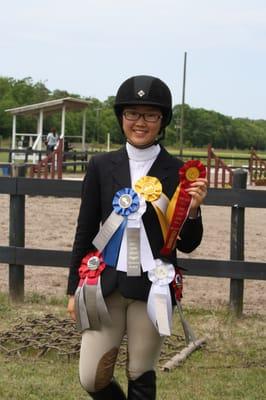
pixel 89 47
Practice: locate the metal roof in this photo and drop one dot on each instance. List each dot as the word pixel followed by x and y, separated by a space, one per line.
pixel 71 104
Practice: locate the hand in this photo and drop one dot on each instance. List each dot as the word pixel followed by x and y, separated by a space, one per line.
pixel 71 307
pixel 198 191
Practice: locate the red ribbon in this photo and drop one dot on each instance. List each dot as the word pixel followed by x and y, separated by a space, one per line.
pixel 179 217
pixel 188 174
pixel 90 275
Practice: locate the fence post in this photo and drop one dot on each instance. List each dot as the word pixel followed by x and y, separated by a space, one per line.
pixel 17 238
pixel 237 243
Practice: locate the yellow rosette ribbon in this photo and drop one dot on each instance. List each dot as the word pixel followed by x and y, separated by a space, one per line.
pixel 151 189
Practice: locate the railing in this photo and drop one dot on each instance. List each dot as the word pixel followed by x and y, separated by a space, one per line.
pixel 238 198
pixel 73 160
pixel 51 165
pixel 257 169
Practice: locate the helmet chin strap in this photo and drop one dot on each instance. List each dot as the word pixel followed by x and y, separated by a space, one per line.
pixel 145 146
pixel 160 136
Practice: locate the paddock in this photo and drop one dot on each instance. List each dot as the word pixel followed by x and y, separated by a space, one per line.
pixel 51 209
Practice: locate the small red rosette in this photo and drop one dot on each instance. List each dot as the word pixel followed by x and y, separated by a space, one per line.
pixel 91 268
pixel 190 171
pixel 90 307
pixel 177 284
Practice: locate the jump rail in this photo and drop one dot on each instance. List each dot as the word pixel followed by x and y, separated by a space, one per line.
pixel 51 165
pixel 257 169
pixel 238 198
pixel 223 174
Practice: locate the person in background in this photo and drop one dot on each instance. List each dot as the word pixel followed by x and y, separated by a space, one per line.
pixel 51 140
pixel 68 146
pixel 143 107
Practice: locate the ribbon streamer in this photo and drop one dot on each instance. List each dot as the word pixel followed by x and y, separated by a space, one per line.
pixel 179 217
pixel 159 305
pixel 146 257
pixel 90 307
pixel 108 240
pixel 180 203
pixel 133 252
pixel 111 250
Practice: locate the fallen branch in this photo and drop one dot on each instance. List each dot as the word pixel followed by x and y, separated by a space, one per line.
pixel 180 357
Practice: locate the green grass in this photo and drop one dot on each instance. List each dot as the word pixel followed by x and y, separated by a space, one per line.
pixel 3 157
pixel 220 152
pixel 231 366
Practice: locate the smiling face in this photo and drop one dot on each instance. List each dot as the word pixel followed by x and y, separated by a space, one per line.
pixel 141 133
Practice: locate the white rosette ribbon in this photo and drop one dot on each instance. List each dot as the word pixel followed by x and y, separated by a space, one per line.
pixel 146 256
pixel 159 305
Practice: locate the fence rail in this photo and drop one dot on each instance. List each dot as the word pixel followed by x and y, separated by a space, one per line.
pixel 236 269
pixel 218 172
pixel 238 198
pixel 68 188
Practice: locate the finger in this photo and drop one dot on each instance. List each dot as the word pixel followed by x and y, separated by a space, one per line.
pixel 196 191
pixel 200 182
pixel 200 190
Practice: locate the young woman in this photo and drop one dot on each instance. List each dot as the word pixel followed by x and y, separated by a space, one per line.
pixel 120 235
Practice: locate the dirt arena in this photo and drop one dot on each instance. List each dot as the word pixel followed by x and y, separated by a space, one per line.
pixel 50 224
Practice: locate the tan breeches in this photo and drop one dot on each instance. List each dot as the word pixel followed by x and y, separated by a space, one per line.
pixel 99 349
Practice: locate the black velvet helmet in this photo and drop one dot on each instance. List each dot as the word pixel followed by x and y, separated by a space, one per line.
pixel 144 90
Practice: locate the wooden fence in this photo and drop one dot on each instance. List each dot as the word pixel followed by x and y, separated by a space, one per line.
pixel 76 160
pixel 238 198
pixel 219 169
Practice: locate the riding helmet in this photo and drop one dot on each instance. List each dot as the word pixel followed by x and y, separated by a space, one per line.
pixel 144 90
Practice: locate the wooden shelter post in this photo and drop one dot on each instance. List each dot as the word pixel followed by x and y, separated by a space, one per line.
pixel 14 127
pixel 38 141
pixel 63 122
pixel 83 129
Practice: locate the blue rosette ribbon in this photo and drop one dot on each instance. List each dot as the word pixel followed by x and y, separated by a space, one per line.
pixel 108 240
pixel 125 202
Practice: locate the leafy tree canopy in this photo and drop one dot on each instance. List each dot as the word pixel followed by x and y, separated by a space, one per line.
pixel 200 126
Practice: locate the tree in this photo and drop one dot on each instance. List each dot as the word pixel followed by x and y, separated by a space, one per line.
pixel 200 126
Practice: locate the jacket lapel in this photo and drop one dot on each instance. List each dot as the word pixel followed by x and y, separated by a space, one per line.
pixel 163 166
pixel 120 168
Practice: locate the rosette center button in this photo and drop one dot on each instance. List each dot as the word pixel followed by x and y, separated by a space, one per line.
pixel 192 173
pixel 125 201
pixel 93 263
pixel 161 272
pixel 148 188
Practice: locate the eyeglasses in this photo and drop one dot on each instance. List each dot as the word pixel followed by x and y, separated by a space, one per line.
pixel 132 115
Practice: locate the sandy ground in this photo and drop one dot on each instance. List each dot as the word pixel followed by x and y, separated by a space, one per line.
pixel 50 224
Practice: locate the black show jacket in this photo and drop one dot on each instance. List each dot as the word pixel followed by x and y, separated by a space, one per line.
pixel 106 174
